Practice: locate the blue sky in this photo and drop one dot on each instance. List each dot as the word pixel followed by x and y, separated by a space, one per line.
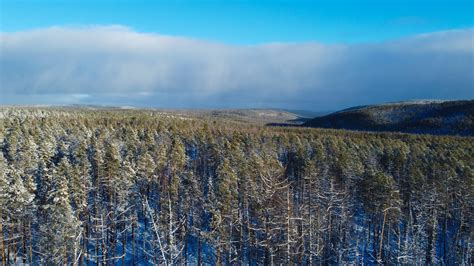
pixel 249 22
pixel 314 55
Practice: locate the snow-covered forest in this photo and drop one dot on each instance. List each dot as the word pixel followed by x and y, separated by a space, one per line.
pixel 131 187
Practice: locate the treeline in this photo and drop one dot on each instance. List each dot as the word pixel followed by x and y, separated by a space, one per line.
pixel 133 187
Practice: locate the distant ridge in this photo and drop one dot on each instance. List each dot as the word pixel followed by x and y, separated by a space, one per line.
pixel 422 116
pixel 244 115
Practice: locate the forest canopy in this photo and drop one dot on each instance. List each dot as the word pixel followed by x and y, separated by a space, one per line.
pixel 137 187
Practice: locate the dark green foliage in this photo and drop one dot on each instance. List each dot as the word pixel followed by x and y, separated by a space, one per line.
pixel 443 118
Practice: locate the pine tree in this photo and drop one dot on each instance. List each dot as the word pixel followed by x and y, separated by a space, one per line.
pixel 225 220
pixel 59 227
pixel 3 205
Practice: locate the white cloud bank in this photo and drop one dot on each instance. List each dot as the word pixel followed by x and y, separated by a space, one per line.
pixel 116 65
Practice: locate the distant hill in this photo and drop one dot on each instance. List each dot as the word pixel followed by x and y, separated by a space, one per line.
pixel 243 115
pixel 423 117
pixel 258 116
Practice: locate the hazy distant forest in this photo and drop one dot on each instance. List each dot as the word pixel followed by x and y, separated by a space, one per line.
pixel 139 188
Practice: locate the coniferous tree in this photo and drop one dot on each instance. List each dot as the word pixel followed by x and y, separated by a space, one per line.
pixel 3 206
pixel 59 227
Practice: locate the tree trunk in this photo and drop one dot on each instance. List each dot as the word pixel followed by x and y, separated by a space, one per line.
pixel 124 247
pixel 379 258
pixel 133 241
pixel 2 243
pixel 170 231
pixel 199 258
pixel 218 255
pixel 288 221
pixel 24 238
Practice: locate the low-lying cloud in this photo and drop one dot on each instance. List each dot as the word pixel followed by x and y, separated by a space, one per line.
pixel 115 65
